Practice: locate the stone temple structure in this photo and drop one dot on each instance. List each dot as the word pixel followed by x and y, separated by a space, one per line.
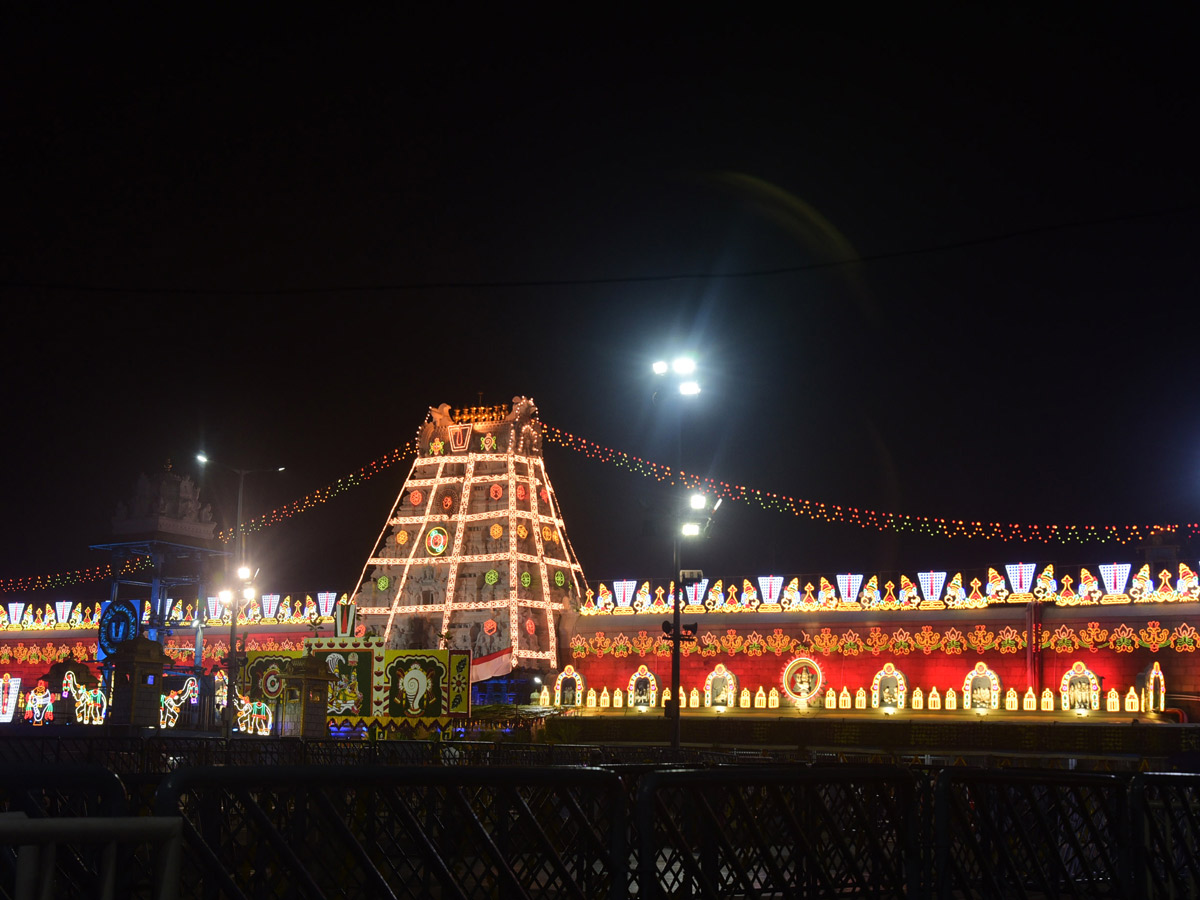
pixel 474 555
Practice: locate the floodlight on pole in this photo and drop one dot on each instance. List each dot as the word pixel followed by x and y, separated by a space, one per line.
pixel 240 532
pixel 682 367
pixel 246 575
pixel 698 501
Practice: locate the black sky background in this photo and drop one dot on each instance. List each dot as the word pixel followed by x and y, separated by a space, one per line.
pixel 282 240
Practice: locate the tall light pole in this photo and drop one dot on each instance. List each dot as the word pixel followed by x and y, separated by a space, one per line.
pixel 245 575
pixel 681 373
pixel 229 598
pixel 241 474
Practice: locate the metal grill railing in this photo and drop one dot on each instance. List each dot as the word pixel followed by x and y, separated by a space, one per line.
pixel 458 828
pixel 404 832
pixel 45 790
pixel 770 832
pixel 85 857
pixel 1028 833
pixel 1165 823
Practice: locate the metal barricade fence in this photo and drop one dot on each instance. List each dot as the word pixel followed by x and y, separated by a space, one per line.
pixel 769 832
pixel 1021 833
pixel 1165 818
pixel 390 831
pixel 49 790
pixel 727 828
pixel 85 857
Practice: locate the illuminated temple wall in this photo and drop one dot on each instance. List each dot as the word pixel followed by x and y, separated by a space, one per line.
pixel 934 643
pixel 933 634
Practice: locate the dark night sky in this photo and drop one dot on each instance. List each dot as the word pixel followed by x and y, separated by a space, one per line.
pixel 282 241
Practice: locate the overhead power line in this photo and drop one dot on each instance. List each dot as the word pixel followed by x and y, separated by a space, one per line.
pixel 492 284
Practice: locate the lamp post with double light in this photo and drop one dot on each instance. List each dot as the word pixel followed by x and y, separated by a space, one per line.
pixel 246 591
pixel 680 373
pixel 231 599
pixel 239 531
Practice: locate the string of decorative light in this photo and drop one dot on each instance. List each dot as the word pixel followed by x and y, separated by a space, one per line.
pixel 867 518
pixel 57 580
pixel 324 495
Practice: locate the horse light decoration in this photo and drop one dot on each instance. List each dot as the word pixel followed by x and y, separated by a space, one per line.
pixel 90 703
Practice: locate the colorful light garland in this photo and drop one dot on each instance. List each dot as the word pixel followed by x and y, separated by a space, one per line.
pixel 866 518
pixel 31 583
pixel 324 495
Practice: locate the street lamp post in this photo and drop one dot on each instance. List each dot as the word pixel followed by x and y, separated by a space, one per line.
pixel 241 474
pixel 246 576
pixel 230 599
pixel 682 369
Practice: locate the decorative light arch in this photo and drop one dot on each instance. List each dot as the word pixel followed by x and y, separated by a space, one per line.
pixel 567 673
pixel 1156 688
pixel 643 672
pixel 1079 670
pixel 981 670
pixel 889 670
pixel 731 690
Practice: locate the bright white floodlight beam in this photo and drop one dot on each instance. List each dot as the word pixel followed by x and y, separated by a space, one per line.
pixel 689 387
pixel 684 365
pixel 698 501
pixel 660 368
pixel 690 529
pixel 201 458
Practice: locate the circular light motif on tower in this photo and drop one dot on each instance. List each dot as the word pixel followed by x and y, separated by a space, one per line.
pixel 382 582
pixel 547 534
pixel 521 492
pixel 530 626
pixel 272 682
pixel 415 498
pixel 526 579
pixel 522 531
pixel 560 579
pixel 496 531
pixel 495 492
pixel 802 679
pixel 491 576
pixel 489 627
pixel 447 503
pixel 435 541
pixel 544 495
pixel 402 538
